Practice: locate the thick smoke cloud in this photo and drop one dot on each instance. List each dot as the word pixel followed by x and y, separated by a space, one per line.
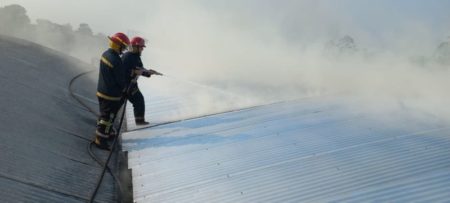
pixel 384 52
pixel 290 49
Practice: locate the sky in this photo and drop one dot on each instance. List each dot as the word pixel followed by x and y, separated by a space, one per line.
pixel 274 48
pixel 109 16
pixel 414 26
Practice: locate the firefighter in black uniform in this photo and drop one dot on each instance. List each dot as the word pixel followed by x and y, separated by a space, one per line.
pixel 133 64
pixel 112 82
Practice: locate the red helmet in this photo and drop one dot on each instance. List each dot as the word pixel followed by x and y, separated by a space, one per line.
pixel 138 41
pixel 120 38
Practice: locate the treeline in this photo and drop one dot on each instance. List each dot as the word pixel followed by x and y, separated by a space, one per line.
pixel 442 53
pixel 80 42
pixel 85 45
pixel 347 47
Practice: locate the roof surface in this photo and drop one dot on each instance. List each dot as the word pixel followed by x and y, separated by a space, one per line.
pixel 44 132
pixel 318 149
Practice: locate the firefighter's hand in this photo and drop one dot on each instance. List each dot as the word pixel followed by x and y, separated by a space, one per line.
pixel 139 71
pixel 150 72
pixel 146 73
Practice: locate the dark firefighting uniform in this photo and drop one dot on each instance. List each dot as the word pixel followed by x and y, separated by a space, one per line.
pixel 112 82
pixel 132 61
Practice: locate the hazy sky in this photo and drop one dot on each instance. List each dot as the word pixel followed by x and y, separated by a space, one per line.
pixel 217 33
pixel 203 30
pixel 372 16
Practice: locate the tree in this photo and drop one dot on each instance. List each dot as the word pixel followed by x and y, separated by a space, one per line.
pixel 442 53
pixel 81 43
pixel 84 29
pixel 343 46
pixel 13 19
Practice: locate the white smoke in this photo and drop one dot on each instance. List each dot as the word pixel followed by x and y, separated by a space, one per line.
pixel 265 50
pixel 278 50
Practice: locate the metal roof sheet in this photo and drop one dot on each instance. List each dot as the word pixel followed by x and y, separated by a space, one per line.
pixel 295 151
pixel 323 149
pixel 44 132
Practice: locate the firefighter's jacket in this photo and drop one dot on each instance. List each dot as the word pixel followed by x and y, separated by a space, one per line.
pixel 132 61
pixel 112 79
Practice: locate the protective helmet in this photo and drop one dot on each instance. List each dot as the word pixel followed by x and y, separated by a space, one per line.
pixel 138 41
pixel 120 39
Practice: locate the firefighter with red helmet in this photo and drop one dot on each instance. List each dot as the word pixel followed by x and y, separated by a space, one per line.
pixel 133 64
pixel 112 84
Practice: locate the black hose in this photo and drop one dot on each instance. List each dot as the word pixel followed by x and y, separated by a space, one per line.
pixel 78 99
pixel 99 182
pixel 89 148
pixel 116 179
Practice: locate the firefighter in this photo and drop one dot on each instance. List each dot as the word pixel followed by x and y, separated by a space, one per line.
pixel 112 82
pixel 133 64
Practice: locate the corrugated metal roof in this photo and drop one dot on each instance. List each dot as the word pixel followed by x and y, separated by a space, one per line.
pixel 311 150
pixel 44 132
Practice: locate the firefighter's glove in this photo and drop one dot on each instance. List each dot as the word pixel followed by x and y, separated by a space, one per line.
pixel 146 73
pixel 138 72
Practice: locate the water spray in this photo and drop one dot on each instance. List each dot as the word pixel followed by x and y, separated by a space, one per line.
pixel 201 85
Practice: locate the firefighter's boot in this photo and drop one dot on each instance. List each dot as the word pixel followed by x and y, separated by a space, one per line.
pixel 102 134
pixel 102 143
pixel 141 121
